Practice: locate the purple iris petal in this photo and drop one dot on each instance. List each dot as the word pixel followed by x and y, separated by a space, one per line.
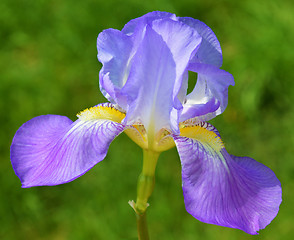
pixel 230 191
pixel 156 78
pixel 183 41
pixel 132 25
pixel 204 108
pixel 114 51
pixel 51 149
pixel 145 74
pixel 150 62
pixel 210 51
pixel 190 44
pixel 209 98
pixel 151 82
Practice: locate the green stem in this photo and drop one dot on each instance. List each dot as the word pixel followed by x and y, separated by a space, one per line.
pixel 145 188
pixel 142 227
pixel 146 180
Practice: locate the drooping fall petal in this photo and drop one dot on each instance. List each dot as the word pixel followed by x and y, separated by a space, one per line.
pixel 51 149
pixel 222 189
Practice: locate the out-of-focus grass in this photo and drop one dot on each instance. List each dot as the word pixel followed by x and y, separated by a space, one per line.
pixel 48 65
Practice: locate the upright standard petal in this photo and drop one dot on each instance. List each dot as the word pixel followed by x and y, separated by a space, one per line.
pixel 186 44
pixel 116 50
pixel 210 51
pixel 151 82
pixel 51 149
pixel 160 65
pixel 132 25
pixel 221 189
pixel 183 42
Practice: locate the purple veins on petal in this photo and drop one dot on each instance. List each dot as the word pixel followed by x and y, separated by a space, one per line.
pixel 225 190
pixel 145 77
pixel 51 149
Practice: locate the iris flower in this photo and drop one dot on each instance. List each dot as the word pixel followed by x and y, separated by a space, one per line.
pixel 145 78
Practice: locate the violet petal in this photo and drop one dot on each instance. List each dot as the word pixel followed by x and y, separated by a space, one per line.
pixel 221 189
pixel 52 150
pixel 209 98
pixel 210 51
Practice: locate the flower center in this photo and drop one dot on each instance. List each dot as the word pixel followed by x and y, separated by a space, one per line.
pixel 162 140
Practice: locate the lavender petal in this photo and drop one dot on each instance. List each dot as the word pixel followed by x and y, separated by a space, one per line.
pixel 52 150
pixel 225 190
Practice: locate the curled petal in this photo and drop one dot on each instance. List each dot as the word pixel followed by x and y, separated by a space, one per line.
pixel 225 190
pixel 209 98
pixel 114 52
pixel 51 149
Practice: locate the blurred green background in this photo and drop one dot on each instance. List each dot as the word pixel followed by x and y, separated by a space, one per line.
pixel 48 65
